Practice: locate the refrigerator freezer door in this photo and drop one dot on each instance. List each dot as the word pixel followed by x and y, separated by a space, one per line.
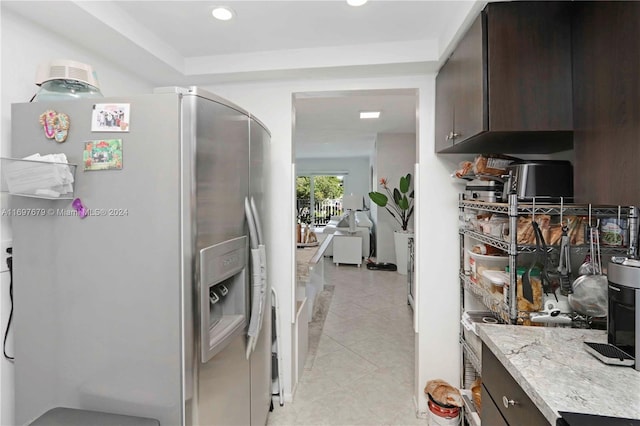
pixel 97 318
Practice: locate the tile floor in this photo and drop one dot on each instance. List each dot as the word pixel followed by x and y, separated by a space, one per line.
pixel 363 371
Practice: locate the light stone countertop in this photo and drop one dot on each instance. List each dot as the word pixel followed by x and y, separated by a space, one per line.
pixel 554 370
pixel 307 257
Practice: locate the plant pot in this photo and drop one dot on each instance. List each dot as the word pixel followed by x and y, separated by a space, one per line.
pixel 401 240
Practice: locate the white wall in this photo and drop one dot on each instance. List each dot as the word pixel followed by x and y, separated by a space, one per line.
pixel 436 217
pixel 24 46
pixel 356 180
pixel 396 156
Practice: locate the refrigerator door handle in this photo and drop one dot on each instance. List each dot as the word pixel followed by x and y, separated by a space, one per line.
pixel 256 219
pixel 253 233
pixel 258 277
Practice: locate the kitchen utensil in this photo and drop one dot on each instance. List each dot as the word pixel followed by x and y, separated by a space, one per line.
pixel 551 317
pixel 594 247
pixel 527 291
pixel 590 292
pixel 589 295
pixel 541 248
pixel 596 235
pixel 586 267
pixel 564 264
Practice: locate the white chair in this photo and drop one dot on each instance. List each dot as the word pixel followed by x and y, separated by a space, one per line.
pixel 363 230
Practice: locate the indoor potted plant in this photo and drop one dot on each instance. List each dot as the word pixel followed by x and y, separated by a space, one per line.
pixel 399 203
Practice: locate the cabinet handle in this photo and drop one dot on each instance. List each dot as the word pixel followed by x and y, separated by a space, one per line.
pixel 449 136
pixel 455 135
pixel 508 402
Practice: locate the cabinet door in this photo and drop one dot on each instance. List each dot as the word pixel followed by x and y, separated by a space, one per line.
pixel 606 66
pixel 490 412
pixel 445 86
pixel 347 249
pixel 470 116
pixel 529 57
pixel 520 409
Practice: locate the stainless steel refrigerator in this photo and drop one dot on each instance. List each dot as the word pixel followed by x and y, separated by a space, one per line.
pixel 143 306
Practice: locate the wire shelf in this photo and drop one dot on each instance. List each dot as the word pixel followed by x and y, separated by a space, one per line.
pixel 38 179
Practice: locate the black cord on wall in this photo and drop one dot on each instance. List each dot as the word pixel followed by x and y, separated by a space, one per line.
pixel 6 332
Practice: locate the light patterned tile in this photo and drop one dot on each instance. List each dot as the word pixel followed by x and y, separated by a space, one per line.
pixel 363 370
pixel 357 329
pixel 381 394
pixel 343 366
pixel 282 416
pixel 328 345
pixel 347 310
pixel 336 408
pixel 314 387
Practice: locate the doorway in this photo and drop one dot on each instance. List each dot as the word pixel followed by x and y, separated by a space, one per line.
pixel 328 134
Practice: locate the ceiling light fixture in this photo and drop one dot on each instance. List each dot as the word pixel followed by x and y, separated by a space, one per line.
pixel 370 114
pixel 222 13
pixel 356 2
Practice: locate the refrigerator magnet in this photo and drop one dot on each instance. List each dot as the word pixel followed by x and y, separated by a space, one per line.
pixel 55 125
pixel 103 154
pixel 110 118
pixel 79 208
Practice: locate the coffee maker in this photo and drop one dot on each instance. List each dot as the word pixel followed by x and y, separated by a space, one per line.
pixel 623 318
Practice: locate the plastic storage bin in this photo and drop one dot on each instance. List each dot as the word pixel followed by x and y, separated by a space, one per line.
pixel 470 331
pixel 481 262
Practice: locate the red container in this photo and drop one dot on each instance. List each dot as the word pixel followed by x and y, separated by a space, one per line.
pixel 442 411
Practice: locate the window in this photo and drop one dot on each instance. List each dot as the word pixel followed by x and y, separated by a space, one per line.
pixel 319 197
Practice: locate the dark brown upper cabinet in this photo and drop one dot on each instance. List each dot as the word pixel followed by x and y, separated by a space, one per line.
pixel 507 86
pixel 606 71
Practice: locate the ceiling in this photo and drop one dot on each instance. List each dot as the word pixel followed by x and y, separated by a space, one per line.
pixel 179 43
pixel 328 124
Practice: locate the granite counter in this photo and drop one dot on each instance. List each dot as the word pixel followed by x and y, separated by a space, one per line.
pixel 310 274
pixel 555 371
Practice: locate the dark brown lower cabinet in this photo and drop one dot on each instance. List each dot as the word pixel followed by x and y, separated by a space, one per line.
pixel 501 392
pixel 490 411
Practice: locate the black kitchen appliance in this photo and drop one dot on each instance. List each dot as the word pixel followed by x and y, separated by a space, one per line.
pixel 544 180
pixel 623 318
pixel 583 419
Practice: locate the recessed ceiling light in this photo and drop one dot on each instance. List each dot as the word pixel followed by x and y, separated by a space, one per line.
pixel 222 13
pixel 356 2
pixel 370 114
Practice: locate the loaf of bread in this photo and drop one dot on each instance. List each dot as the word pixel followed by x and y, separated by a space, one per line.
pixel 443 393
pixel 476 390
pixel 551 233
pixel 527 305
pixel 464 169
pixel 492 164
pixel 555 235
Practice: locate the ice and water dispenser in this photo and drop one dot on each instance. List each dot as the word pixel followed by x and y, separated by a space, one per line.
pixel 223 298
